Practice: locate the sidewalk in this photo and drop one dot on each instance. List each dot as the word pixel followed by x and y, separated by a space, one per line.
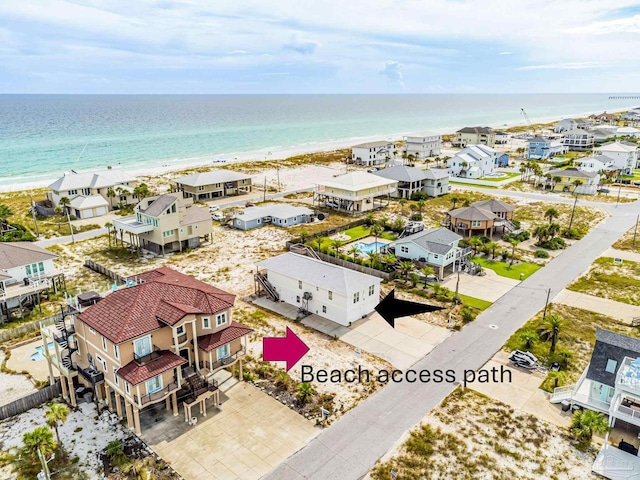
pixel 622 311
pixel 488 287
pixel 623 254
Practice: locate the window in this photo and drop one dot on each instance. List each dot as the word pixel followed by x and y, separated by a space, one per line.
pixel 154 384
pixel 142 346
pixel 404 249
pixel 92 330
pixel 324 309
pixel 221 319
pixel 372 290
pixel 116 351
pixel 73 192
pixel 436 256
pixel 206 322
pixel 115 376
pixel 104 344
pixel 102 363
pixel 222 352
pixel 476 223
pixel 200 187
pixel 611 366
pixel 86 191
pixel 173 208
pixel 180 330
pixel 330 295
pixel 298 298
pixel 123 198
pixel 300 284
pixel 168 233
pixel 126 387
pixel 356 297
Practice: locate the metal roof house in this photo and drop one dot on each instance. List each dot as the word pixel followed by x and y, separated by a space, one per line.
pixel 473 161
pixel 373 153
pixel 433 182
pixel 216 183
pixel 355 192
pixel 280 214
pixel 437 247
pixel 330 291
pixel 611 385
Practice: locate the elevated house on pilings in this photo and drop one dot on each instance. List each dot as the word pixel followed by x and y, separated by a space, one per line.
pixel 161 340
pixel 26 272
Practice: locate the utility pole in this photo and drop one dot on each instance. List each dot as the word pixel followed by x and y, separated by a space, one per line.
pixel 457 297
pixel 635 231
pixel 573 212
pixel 619 191
pixel 264 197
pixel 33 214
pixel 73 239
pixel 544 314
pixel 45 468
pixel 278 172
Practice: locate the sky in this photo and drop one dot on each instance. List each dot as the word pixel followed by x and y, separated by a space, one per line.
pixel 319 46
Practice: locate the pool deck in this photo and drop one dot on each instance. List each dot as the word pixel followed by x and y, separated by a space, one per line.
pixel 21 360
pixel 369 239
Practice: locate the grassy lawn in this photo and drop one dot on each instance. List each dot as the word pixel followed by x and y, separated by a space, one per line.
pixel 577 338
pixel 468 184
pixel 474 302
pixel 505 270
pixel 615 282
pixel 355 233
pixel 626 241
pixel 507 175
pixel 635 176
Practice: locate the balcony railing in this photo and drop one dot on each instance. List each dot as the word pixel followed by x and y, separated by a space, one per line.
pixel 626 412
pixel 224 362
pixel 155 396
pixel 205 386
pixel 627 378
pixel 149 357
pixel 91 375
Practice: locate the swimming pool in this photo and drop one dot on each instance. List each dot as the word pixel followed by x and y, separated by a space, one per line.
pixel 370 247
pixel 496 175
pixel 39 354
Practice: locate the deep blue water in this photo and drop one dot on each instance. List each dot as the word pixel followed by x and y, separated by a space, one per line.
pixel 41 136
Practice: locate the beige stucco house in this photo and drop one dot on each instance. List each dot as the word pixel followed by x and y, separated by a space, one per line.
pixel 355 192
pixel 475 136
pixel 213 184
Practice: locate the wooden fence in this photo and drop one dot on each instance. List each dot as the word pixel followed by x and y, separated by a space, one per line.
pixel 11 333
pixel 331 231
pixel 30 401
pixel 96 267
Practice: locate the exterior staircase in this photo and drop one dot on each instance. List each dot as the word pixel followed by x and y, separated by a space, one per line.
pixel 562 393
pixel 269 289
pixel 508 225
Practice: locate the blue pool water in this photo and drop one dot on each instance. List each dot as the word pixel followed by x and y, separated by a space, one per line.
pixel 39 355
pixel 370 247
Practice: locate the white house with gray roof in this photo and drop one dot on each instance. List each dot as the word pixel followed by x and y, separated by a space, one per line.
pixel 437 247
pixel 280 214
pixel 473 161
pixel 330 291
pixel 623 154
pixel 216 183
pixel 423 145
pixel 373 153
pixel 413 179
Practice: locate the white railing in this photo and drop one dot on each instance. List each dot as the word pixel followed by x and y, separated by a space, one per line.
pixel 626 411
pixel 591 402
pixel 562 393
pixel 626 378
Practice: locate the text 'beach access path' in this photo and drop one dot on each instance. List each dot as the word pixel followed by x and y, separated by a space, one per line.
pixel 348 449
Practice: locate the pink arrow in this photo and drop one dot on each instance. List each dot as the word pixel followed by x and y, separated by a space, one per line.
pixel 288 349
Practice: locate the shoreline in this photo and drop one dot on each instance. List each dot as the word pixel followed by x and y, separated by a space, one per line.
pixel 268 153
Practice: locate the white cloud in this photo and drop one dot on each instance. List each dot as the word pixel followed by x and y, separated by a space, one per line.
pixel 505 53
pixel 301 45
pixel 622 25
pixel 564 66
pixel 391 70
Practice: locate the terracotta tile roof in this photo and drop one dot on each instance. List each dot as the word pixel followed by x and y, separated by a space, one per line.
pixel 135 374
pixel 162 296
pixel 215 340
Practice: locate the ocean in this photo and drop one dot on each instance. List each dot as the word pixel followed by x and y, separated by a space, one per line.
pixel 42 136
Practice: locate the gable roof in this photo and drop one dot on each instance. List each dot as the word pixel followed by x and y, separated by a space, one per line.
pixel 402 173
pixel 214 340
pixel 211 177
pixel 577 131
pixel 135 374
pixel 472 213
pixel 17 254
pixel 162 296
pixel 436 173
pixel 617 147
pixel 380 143
pixel 108 178
pixel 539 140
pixel 159 205
pixel 355 181
pixel 194 214
pixel 495 206
pixel 318 273
pixel 610 346
pixel 478 130
pixel 81 202
pixel 436 240
pixel 572 173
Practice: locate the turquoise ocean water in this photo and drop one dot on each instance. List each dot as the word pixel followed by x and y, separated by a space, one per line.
pixel 41 136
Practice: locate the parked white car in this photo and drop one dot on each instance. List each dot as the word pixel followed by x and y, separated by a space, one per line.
pixel 218 217
pixel 213 208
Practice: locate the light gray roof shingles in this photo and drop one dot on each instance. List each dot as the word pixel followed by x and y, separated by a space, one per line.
pixel 572 173
pixel 159 205
pixel 472 213
pixel 17 254
pixel 402 173
pixel 486 130
pixel 436 240
pixel 493 205
pixel 211 177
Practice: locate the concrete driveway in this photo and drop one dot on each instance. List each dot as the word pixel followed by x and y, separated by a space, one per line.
pixel 488 287
pixel 402 346
pixel 249 435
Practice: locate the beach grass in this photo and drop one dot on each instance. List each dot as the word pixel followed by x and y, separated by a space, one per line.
pixel 605 279
pixel 507 176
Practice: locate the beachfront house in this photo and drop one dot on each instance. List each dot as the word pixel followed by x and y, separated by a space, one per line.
pixel 578 140
pixel 433 182
pixel 93 194
pixel 623 154
pixel 481 218
pixel 501 138
pixel 213 184
pixel 565 181
pixel 628 132
pixel 279 214
pixel 474 136
pixel 26 270
pixel 313 286
pixel 565 125
pixel 164 223
pixel 436 247
pixel 373 153
pixel 158 341
pixel 473 161
pixel 423 145
pixel 611 385
pixel 604 118
pixel 600 134
pixel 596 163
pixel 542 148
pixel 632 117
pixel 355 192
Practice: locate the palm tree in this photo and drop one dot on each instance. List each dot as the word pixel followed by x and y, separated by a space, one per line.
pixel 370 219
pixel 402 202
pixel 40 439
pixel 111 194
pixel 551 213
pixel 374 259
pixel 475 243
pixel 553 230
pixel 5 213
pixel 466 202
pixel 528 339
pixel 406 267
pixel 354 250
pixel 389 259
pixel 541 232
pixel 427 272
pixel 576 184
pixel 315 244
pixel 336 244
pixel 491 247
pixel 59 211
pixel 556 180
pixel 551 330
pixel 303 236
pixel 115 452
pixel 141 191
pixel 65 202
pixel 587 422
pixel 108 225
pixel 305 392
pixel 376 231
pixel 398 225
pixel 384 221
pixel 454 199
pixel 121 193
pixel 56 415
pixel 421 204
pixel 514 243
pixel 414 278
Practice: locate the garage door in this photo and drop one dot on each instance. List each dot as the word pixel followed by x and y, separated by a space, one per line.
pixel 88 213
pixel 101 211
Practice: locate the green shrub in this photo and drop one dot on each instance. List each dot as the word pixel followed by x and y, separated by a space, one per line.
pixel 416 217
pixel 557 243
pixel 468 314
pixel 419 196
pixel 522 236
pixel 542 254
pixel 574 233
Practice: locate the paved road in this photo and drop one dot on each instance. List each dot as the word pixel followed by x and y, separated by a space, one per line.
pixel 348 449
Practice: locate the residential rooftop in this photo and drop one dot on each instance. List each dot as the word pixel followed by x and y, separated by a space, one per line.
pixel 17 254
pixel 211 177
pixel 437 240
pixel 280 210
pixel 75 181
pixel 356 181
